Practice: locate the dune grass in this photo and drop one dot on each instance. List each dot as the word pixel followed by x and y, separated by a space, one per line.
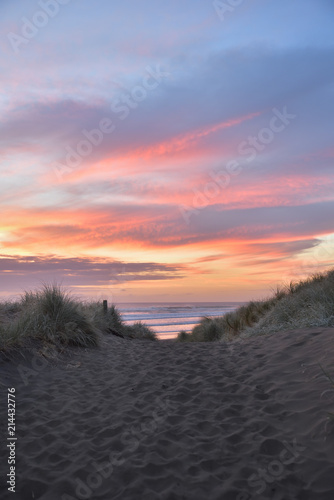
pixel 111 322
pixel 303 304
pixel 52 316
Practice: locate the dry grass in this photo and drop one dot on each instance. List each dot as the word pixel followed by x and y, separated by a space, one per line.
pixel 111 323
pixel 303 304
pixel 52 316
pixel 49 315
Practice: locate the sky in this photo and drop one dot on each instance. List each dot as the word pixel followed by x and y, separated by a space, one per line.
pixel 165 151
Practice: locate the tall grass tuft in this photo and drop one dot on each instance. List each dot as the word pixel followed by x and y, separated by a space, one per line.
pixel 49 315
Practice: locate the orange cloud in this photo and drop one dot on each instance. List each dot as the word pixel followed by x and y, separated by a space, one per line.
pixel 190 140
pixel 144 159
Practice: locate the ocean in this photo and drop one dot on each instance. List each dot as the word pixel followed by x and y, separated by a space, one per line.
pixel 168 319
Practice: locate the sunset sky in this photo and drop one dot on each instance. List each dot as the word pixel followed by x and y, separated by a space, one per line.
pixel 166 151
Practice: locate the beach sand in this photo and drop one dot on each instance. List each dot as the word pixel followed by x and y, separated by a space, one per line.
pixel 166 420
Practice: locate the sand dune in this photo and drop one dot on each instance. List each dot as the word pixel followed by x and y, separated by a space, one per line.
pixel 163 420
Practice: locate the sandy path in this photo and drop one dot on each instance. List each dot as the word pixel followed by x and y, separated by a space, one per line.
pixel 144 420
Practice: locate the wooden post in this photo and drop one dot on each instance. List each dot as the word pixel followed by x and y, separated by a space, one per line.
pixel 105 306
